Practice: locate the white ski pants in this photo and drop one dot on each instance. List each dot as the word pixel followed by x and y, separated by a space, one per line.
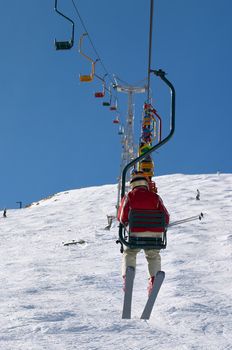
pixel 152 256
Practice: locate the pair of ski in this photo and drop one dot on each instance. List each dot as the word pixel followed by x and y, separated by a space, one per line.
pixel 130 274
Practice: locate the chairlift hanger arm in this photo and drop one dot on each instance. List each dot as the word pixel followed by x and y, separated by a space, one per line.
pixel 80 48
pixel 60 13
pixel 160 74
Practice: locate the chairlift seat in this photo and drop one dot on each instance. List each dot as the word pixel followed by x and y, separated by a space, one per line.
pixel 86 78
pixel 63 45
pixel 99 94
pixel 147 165
pixel 139 218
pixel 106 104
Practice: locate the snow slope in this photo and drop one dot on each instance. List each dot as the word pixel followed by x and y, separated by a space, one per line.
pixel 55 297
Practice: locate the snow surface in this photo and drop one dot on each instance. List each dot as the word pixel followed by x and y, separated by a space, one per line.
pixel 55 297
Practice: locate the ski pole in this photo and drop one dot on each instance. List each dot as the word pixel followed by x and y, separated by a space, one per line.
pixel 183 221
pixel 199 217
pixel 119 241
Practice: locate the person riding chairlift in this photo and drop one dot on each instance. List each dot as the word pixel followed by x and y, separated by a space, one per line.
pixel 141 197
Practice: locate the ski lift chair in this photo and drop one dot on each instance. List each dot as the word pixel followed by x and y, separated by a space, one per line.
pixel 147 166
pixel 64 45
pixel 101 94
pixel 114 107
pixel 106 104
pixel 90 77
pixel 120 130
pixel 116 120
pixel 149 219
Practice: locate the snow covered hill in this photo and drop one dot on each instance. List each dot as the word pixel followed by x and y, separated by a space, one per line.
pixel 58 297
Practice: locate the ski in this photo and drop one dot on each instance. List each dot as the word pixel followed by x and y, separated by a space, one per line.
pixel 73 242
pixel 130 274
pixel 159 278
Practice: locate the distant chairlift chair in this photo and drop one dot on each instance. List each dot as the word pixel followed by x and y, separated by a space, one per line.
pixel 64 45
pixel 86 78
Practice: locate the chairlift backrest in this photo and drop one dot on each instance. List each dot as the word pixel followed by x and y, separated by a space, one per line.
pixel 151 220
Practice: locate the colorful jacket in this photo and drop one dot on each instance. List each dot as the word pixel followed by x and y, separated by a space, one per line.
pixel 141 198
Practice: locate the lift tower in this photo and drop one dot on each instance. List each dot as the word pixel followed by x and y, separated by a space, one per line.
pixel 129 151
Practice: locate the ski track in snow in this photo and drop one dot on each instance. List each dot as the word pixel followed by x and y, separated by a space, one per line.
pixel 63 298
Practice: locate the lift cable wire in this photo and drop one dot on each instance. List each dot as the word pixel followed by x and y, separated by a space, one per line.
pixel 122 81
pixel 91 42
pixel 150 49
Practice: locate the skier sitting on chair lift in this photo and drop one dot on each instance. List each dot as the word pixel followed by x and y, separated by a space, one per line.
pixel 140 197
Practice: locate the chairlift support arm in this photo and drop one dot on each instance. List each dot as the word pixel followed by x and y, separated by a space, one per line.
pixel 80 48
pixel 161 74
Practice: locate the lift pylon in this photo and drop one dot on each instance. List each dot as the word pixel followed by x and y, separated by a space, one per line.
pixel 129 150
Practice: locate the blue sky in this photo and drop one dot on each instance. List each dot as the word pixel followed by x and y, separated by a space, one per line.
pixel 56 136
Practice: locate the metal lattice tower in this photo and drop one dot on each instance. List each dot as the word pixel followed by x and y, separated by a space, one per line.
pixel 129 150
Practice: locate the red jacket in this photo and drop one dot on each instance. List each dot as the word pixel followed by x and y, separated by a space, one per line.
pixel 141 198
